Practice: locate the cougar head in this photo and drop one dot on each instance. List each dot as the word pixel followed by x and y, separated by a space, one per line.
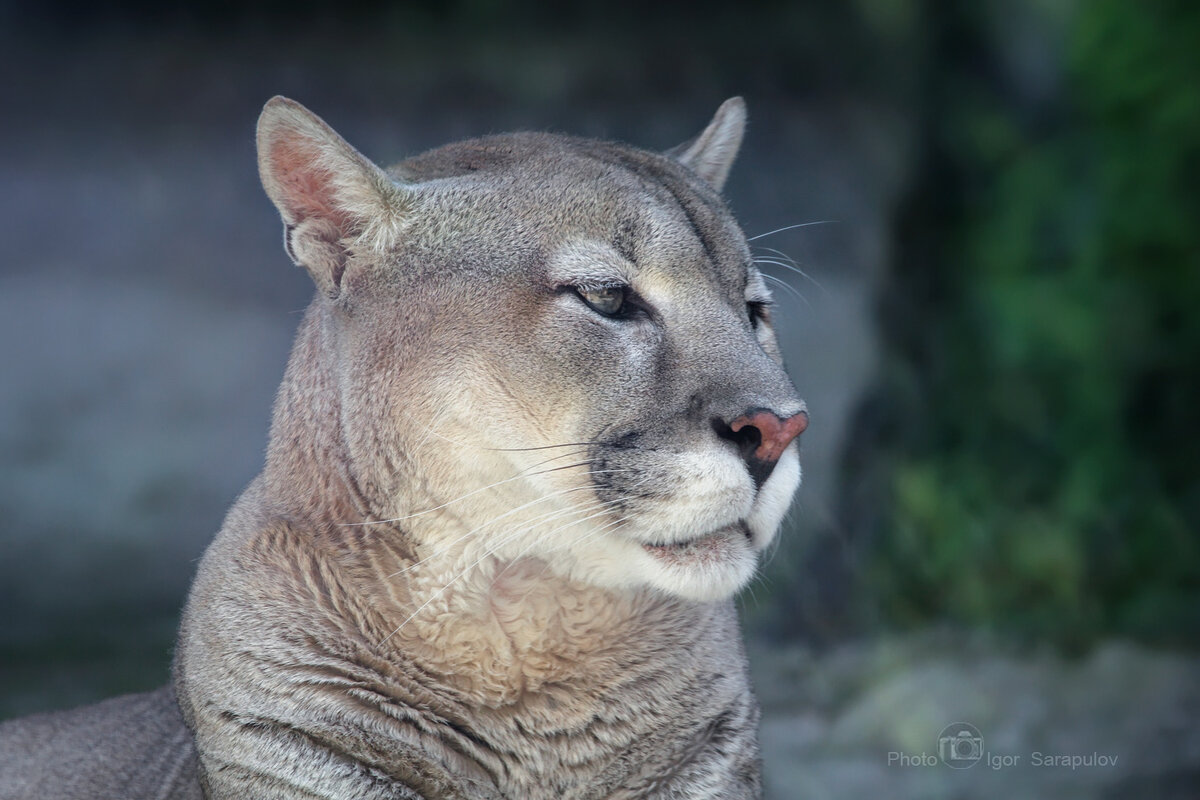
pixel 547 347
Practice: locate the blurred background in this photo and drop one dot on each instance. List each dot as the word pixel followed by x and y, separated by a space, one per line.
pixel 989 303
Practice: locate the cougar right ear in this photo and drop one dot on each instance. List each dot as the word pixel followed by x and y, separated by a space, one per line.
pixel 329 195
pixel 711 154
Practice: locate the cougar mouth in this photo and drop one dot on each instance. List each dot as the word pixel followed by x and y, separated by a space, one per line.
pixel 717 545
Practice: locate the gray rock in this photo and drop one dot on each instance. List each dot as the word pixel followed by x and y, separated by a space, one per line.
pixel 1117 723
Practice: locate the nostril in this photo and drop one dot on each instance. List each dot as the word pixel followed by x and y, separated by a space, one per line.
pixel 748 438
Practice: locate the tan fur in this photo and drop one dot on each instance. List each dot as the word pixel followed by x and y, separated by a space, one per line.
pixel 492 549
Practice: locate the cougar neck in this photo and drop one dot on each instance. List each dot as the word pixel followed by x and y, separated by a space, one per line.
pixel 308 469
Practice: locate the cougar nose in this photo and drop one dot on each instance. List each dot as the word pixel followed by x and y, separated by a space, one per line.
pixel 761 437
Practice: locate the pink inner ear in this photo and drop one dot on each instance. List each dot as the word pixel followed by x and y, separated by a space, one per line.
pixel 306 185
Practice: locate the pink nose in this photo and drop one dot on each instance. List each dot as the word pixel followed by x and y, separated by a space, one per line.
pixel 775 433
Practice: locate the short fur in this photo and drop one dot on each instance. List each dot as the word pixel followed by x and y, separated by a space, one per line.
pixel 133 748
pixel 492 550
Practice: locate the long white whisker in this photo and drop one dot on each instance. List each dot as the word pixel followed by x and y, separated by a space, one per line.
pixel 587 534
pixel 488 554
pixel 430 430
pixel 790 268
pixel 779 253
pixel 493 520
pixel 791 227
pixel 638 484
pixel 793 263
pixel 556 458
pixel 604 507
pixel 447 545
pixel 430 427
pixel 601 508
pixel 473 492
pixel 541 447
pixel 787 287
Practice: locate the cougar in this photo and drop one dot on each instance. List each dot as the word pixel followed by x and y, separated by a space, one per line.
pixel 534 432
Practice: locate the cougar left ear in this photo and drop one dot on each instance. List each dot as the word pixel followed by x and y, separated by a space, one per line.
pixel 329 195
pixel 711 154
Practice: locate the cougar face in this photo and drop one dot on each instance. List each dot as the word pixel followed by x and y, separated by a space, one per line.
pixel 550 348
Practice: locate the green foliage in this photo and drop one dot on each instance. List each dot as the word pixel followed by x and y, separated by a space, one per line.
pixel 1052 484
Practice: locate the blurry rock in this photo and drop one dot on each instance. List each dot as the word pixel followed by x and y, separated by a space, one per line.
pixel 1118 723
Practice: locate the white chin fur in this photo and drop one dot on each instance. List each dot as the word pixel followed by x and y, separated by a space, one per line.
pixel 621 564
pixel 704 582
pixel 613 560
pixel 775 498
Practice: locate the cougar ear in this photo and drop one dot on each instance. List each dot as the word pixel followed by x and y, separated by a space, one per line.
pixel 711 154
pixel 329 195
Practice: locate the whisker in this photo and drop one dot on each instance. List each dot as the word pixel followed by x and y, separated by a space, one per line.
pixel 587 534
pixel 430 430
pixel 430 427
pixel 791 227
pixel 592 511
pixel 603 506
pixel 549 514
pixel 776 253
pixel 471 493
pixel 493 520
pixel 779 253
pixel 542 447
pixel 557 457
pixel 488 554
pixel 622 520
pixel 787 287
pixel 790 268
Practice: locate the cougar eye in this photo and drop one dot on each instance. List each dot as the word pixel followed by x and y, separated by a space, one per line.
pixel 759 312
pixel 606 300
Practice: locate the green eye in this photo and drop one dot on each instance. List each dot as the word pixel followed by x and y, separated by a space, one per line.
pixel 606 300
